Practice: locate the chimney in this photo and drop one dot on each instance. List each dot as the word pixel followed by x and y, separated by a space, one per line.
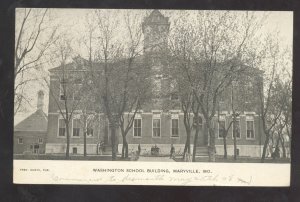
pixel 40 101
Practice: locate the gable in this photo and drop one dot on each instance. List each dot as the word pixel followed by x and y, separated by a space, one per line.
pixel 35 122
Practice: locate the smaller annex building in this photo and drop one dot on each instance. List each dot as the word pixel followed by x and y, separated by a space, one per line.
pixel 30 134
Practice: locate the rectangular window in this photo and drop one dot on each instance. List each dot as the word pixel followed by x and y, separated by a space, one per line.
pixel 222 125
pixel 76 127
pixel 61 128
pixel 90 132
pixel 175 128
pixel 20 140
pixel 137 128
pixel 62 90
pixel 237 129
pixel 40 140
pixel 74 150
pixel 250 129
pixel 36 148
pixel 156 127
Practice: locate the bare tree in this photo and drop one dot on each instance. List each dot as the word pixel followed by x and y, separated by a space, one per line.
pixel 89 119
pixel 283 101
pixel 272 95
pixel 65 94
pixel 285 122
pixel 287 114
pixel 123 85
pixel 134 86
pixel 225 131
pixel 88 106
pixel 186 106
pixel 217 58
pixel 34 36
pixel 108 54
pixel 90 111
pixel 234 121
pixel 181 42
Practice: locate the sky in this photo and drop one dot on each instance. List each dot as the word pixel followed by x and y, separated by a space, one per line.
pixel 73 22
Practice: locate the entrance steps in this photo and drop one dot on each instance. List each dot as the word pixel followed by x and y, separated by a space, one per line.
pixel 202 151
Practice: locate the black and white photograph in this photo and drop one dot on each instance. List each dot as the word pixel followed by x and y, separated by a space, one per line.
pixel 170 87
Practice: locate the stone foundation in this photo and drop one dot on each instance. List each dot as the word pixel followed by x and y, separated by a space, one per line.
pixel 146 148
pixel 61 148
pixel 244 150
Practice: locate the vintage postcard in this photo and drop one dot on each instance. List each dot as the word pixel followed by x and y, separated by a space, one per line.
pixel 153 97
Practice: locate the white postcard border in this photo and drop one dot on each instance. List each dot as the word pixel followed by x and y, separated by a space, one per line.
pixel 154 173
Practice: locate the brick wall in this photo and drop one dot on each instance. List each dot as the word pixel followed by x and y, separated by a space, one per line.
pixel 243 140
pixel 165 135
pixel 28 138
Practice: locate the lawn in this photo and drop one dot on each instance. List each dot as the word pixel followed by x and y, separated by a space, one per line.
pixel 219 159
pixel 230 159
pixel 62 157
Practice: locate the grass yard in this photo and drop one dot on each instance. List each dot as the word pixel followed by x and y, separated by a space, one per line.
pixel 178 158
pixel 230 159
pixel 72 157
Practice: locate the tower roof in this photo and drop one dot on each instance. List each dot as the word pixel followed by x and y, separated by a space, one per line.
pixel 156 17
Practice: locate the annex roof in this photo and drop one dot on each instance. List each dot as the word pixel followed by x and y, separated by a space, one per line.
pixel 35 122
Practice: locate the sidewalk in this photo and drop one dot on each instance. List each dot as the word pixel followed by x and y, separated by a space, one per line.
pixel 157 159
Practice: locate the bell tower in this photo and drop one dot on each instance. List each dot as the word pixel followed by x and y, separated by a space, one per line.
pixel 155 29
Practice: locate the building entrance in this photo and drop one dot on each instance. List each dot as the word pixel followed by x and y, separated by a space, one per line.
pixel 201 140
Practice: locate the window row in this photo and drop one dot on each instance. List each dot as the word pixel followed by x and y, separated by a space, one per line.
pixel 249 129
pixel 156 127
pixel 76 127
pixel 137 128
pixel 70 93
pixel 20 140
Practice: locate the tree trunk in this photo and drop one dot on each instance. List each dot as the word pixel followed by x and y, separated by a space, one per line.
pixel 195 143
pixel 84 138
pixel 113 143
pixel 225 147
pixel 184 151
pixel 276 152
pixel 265 148
pixel 84 144
pixel 187 147
pixel 234 138
pixel 124 147
pixel 283 148
pixel 97 149
pixel 68 141
pixel 212 147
